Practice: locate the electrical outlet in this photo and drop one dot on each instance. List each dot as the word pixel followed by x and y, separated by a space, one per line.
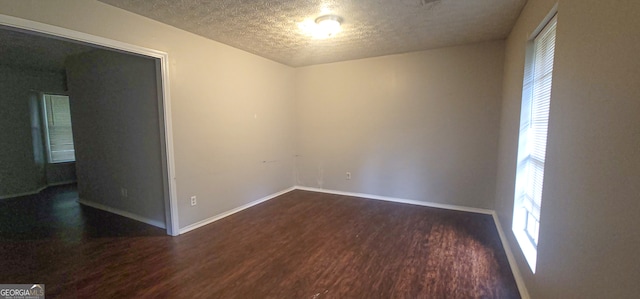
pixel 194 201
pixel 348 175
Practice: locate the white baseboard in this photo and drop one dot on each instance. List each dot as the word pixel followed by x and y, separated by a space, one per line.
pixel 24 193
pixel 36 191
pixel 204 222
pixel 62 183
pixel 122 213
pixel 400 200
pixel 522 288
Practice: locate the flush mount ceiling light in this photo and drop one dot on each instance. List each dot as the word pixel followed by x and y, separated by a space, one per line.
pixel 323 27
pixel 329 24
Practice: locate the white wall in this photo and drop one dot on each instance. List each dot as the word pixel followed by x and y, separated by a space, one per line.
pixel 231 110
pixel 22 162
pixel 117 132
pixel 420 126
pixel 589 232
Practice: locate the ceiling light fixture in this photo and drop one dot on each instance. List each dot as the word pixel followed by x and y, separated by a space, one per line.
pixel 324 27
pixel 329 24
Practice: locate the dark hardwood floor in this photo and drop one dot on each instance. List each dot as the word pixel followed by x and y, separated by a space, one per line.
pixel 299 245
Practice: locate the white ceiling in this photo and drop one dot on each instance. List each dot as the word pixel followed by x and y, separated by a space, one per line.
pixel 269 28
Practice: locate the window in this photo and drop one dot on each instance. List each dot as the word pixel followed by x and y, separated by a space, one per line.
pixel 58 134
pixel 532 143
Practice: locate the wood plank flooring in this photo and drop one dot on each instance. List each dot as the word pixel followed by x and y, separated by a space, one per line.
pixel 299 245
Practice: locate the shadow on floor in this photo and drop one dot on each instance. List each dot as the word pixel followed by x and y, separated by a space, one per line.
pixel 55 213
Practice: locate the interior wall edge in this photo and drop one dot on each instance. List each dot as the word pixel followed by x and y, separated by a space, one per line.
pixel 513 263
pixel 400 200
pixel 212 219
pixel 36 191
pixel 122 213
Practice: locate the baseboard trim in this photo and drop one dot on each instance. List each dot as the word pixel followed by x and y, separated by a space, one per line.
pixel 24 193
pixel 62 183
pixel 122 213
pixel 522 288
pixel 37 190
pixel 209 220
pixel 399 200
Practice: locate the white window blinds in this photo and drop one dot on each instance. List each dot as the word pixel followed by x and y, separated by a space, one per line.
pixel 59 134
pixel 534 120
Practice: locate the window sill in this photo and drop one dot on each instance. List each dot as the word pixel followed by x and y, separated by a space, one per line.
pixel 530 252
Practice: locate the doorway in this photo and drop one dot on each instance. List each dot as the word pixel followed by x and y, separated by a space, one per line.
pixel 163 125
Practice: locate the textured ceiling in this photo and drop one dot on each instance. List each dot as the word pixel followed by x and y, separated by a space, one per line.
pixel 269 28
pixel 31 51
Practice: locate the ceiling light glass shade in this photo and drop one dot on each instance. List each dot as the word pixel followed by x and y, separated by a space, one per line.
pixel 329 25
pixel 323 27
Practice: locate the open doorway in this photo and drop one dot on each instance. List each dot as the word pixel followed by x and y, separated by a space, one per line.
pixel 121 133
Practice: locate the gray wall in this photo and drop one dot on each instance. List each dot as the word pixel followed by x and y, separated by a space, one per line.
pixel 60 173
pixel 589 234
pixel 23 167
pixel 116 127
pixel 420 126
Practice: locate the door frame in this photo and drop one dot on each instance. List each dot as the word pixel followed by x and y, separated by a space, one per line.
pixel 164 99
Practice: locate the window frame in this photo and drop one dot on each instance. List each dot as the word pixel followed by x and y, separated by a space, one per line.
pixel 526 228
pixel 46 131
